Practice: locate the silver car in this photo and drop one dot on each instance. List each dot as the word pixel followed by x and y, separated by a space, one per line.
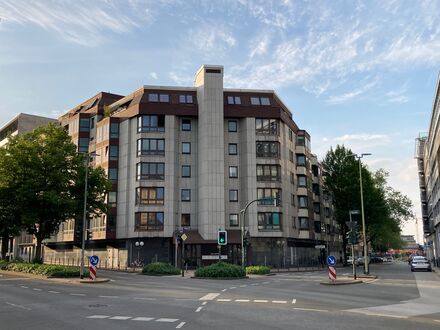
pixel 420 263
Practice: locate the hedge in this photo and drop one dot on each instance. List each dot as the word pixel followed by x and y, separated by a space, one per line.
pixel 257 270
pixel 220 270
pixel 42 269
pixel 160 268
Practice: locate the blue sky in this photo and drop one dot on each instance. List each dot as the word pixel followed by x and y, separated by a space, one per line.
pixel 362 73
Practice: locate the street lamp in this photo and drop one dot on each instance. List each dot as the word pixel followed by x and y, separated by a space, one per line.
pixel 138 244
pixel 83 231
pixel 366 266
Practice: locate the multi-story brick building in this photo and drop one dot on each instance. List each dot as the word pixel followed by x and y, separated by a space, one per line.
pixel 190 158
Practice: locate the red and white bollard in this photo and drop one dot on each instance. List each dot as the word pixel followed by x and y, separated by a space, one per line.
pixel 332 273
pixel 92 271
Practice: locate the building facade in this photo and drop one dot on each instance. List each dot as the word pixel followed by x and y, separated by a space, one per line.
pixel 428 161
pixel 22 246
pixel 188 159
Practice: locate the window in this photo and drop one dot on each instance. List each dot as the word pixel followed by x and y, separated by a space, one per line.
pixel 232 126
pixel 186 124
pixel 292 199
pixel 292 177
pixel 114 130
pixel 269 192
pixel 113 174
pixel 293 222
pixel 317 225
pixel 151 147
pixel 266 126
pixel 315 189
pixel 84 124
pixel 151 123
pixel 265 101
pixel 233 171
pixel 300 160
pixel 290 135
pixel 234 100
pixel 233 220
pixel 291 155
pixel 185 220
pixel 303 223
pixel 302 202
pixel 149 196
pixel 112 198
pixel 153 98
pixel 317 208
pixel 260 100
pixel 185 99
pixel 315 170
pixel 92 122
pixel 255 100
pixel 232 148
pixel 268 149
pixel 302 181
pixel 149 221
pixel 83 145
pixel 268 173
pixel 233 195
pixel 150 171
pixel 164 98
pixel 300 140
pixel 269 221
pixel 186 171
pixel 186 195
pixel 327 212
pixel 186 147
pixel 114 151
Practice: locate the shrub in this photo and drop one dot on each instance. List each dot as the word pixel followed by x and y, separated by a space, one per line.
pixel 220 269
pixel 258 270
pixel 42 269
pixel 160 268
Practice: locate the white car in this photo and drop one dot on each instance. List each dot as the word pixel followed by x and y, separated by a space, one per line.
pixel 420 263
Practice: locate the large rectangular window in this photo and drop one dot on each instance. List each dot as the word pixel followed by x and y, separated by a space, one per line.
pixel 83 145
pixel 185 99
pixel 150 147
pixel 302 202
pixel 303 223
pixel 300 160
pixel 151 123
pixel 234 100
pixel 317 207
pixel 186 124
pixel 112 198
pixel 232 126
pixel 114 130
pixel 186 147
pixel 186 171
pixel 150 196
pixel 268 149
pixel 185 220
pixel 233 220
pixel 114 152
pixel 149 221
pixel 302 181
pixel 186 195
pixel 154 97
pixel 268 173
pixel 266 126
pixel 232 148
pixel 269 221
pixel 233 195
pixel 150 171
pixel 263 193
pixel 84 124
pixel 233 171
pixel 255 100
pixel 113 174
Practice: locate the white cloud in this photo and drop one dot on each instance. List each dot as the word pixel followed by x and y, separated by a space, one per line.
pixel 211 38
pixel 259 46
pixel 398 95
pixel 153 75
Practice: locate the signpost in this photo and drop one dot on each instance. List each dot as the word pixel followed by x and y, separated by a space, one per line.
pixel 331 262
pixel 94 260
pixel 183 237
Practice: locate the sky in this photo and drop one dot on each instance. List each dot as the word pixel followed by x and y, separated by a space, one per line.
pixel 358 73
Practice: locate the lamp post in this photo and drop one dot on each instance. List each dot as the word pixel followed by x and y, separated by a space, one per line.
pixel 83 231
pixel 353 261
pixel 139 245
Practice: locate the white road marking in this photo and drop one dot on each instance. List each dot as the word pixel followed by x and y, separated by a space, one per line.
pixel 77 294
pixel 255 284
pixel 232 287
pixel 199 309
pixel 436 320
pixel 224 290
pixel 260 301
pixel 143 319
pixel 242 300
pixel 204 303
pixel 25 287
pixel 181 324
pixel 279 301
pixel 98 316
pixel 293 301
pixel 223 299
pixel 243 286
pixel 108 297
pixel 122 318
pixel 380 314
pixel 35 289
pixel 167 320
pixel 141 298
pixel 210 296
pixel 310 309
pixel 265 283
pixel 53 291
pixel 19 306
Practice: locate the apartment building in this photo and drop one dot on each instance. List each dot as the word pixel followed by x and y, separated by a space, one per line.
pixel 428 161
pixel 22 246
pixel 188 159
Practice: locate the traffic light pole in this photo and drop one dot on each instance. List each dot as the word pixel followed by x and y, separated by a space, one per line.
pixel 83 231
pixel 352 249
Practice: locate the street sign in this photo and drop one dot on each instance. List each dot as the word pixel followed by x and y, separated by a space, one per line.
pixel 94 260
pixel 184 237
pixel 332 273
pixel 331 261
pixel 319 246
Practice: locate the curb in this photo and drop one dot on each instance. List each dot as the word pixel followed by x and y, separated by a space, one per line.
pixel 342 282
pixel 220 278
pixel 97 281
pixel 372 277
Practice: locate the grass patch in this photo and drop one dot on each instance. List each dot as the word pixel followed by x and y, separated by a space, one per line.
pixel 257 270
pixel 42 269
pixel 220 270
pixel 160 268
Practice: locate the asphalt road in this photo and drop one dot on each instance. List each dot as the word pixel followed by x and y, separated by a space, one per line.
pixel 399 299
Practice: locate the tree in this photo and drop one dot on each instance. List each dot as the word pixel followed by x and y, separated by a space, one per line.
pixel 46 175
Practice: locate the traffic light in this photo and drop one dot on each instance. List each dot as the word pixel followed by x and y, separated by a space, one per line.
pixel 78 235
pixel 89 234
pixel 222 237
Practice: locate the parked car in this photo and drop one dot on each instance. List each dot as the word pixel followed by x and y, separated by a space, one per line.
pixel 360 261
pixel 376 259
pixel 420 263
pixel 350 260
pixel 390 259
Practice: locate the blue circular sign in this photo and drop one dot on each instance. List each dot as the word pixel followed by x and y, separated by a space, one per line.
pixel 331 260
pixel 94 260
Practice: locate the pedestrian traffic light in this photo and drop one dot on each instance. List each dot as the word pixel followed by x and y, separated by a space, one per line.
pixel 222 237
